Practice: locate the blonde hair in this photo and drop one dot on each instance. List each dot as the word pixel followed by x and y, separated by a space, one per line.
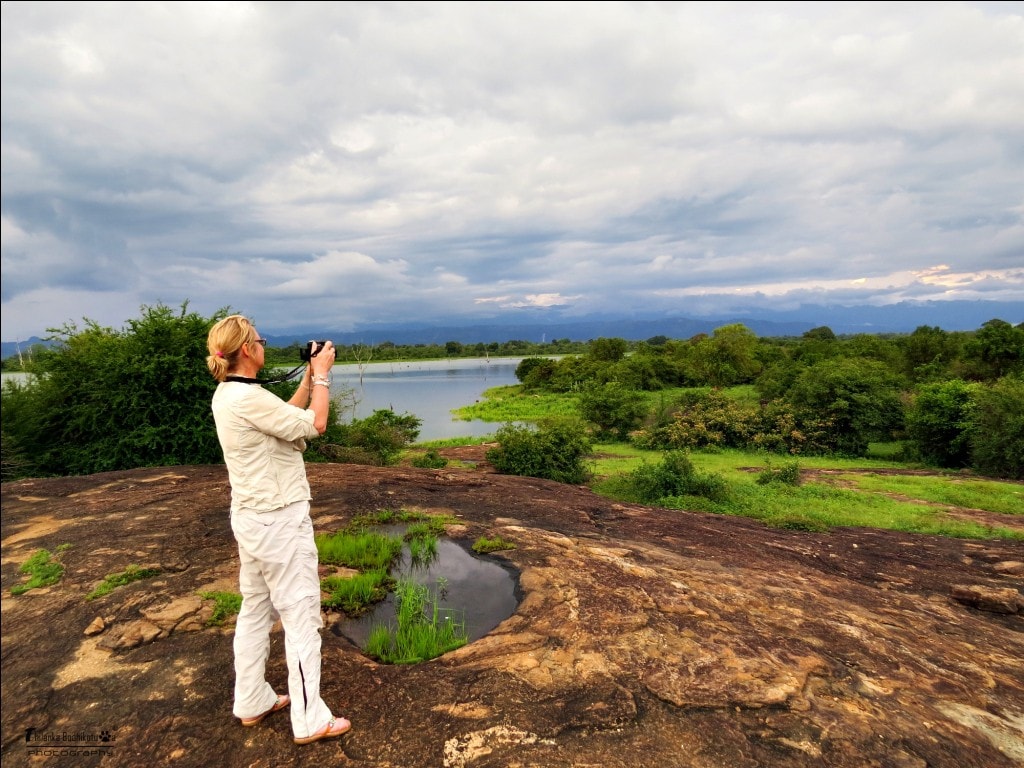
pixel 224 341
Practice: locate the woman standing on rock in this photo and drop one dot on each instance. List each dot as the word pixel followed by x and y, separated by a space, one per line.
pixel 263 437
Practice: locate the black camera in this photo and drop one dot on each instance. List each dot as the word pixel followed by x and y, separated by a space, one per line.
pixel 308 354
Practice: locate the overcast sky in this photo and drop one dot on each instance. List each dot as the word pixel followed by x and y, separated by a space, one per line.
pixel 337 164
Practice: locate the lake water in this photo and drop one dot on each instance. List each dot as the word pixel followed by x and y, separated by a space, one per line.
pixel 428 389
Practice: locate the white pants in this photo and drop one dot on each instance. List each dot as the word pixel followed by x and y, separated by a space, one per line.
pixel 278 579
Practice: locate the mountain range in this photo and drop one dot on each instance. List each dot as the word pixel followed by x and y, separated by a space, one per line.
pixel 843 320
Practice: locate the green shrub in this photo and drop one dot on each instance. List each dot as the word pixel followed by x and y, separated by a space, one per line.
pixel 673 476
pixel 704 418
pixel 787 474
pixel 429 460
pixel 111 400
pixel 860 399
pixel 381 436
pixel 554 451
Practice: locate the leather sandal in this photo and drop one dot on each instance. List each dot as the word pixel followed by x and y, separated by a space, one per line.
pixel 335 727
pixel 283 700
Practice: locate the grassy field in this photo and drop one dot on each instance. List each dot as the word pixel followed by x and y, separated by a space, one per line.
pixel 511 404
pixel 875 491
pixel 838 492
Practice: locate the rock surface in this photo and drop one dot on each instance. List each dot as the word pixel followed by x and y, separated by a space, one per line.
pixel 645 637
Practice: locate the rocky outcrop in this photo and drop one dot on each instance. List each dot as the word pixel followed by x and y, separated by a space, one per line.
pixel 644 637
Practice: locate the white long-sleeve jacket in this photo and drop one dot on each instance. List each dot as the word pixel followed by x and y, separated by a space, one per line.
pixel 262 438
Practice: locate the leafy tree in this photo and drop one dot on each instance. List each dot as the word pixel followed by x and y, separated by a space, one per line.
pixel 998 433
pixel 996 350
pixel 711 419
pixel 574 372
pixel 777 378
pixel 860 398
pixel 613 407
pixel 727 357
pixel 608 350
pixel 939 422
pixel 769 352
pixel 703 418
pixel 869 346
pixel 535 372
pixel 928 353
pixel 816 345
pixel 821 333
pixel 555 451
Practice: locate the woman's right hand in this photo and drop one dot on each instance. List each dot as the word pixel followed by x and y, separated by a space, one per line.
pixel 322 359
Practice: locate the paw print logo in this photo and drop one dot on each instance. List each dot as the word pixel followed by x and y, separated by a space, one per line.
pixel 105 736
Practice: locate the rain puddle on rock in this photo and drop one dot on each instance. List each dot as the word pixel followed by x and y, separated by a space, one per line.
pixel 482 591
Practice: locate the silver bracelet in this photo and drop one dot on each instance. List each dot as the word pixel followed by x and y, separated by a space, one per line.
pixel 322 381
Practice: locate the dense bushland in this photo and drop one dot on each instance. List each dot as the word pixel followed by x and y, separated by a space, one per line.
pixel 107 400
pixel 104 399
pixel 951 399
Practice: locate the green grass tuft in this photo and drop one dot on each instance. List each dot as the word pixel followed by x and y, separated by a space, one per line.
pixel 127 576
pixel 364 551
pixel 483 545
pixel 42 570
pixel 424 630
pixel 226 605
pixel 355 594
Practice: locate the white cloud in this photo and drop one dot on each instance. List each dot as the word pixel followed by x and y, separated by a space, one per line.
pixel 419 161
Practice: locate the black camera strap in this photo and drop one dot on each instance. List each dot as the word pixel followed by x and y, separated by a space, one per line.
pixel 247 380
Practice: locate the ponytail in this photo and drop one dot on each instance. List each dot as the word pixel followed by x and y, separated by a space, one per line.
pixel 224 342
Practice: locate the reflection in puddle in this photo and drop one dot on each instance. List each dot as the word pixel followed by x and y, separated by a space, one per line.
pixel 481 591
